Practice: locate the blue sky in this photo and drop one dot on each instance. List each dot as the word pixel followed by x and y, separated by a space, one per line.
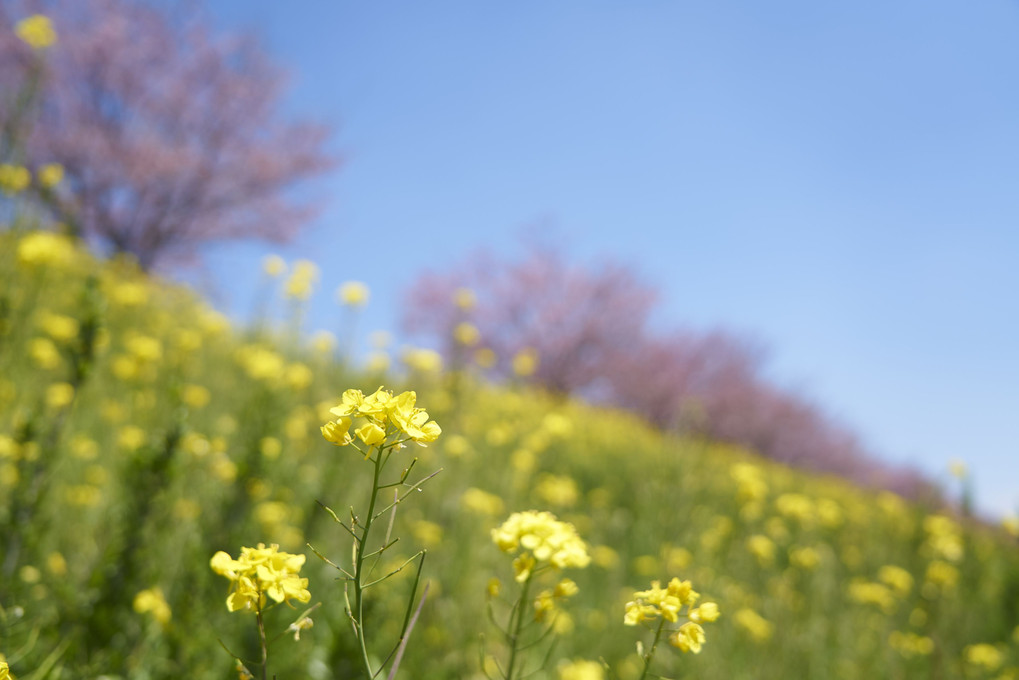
pixel 839 179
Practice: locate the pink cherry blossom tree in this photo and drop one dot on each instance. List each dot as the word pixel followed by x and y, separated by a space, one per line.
pixel 169 134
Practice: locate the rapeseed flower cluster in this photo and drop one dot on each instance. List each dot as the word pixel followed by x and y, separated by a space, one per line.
pixel 544 540
pixel 667 603
pixel 259 572
pixel 383 417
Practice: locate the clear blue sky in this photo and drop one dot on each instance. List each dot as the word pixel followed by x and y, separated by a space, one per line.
pixel 839 179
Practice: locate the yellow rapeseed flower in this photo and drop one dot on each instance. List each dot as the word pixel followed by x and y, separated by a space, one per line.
pixel 353 294
pixel 151 601
pixel 36 31
pixel 467 334
pixel 50 175
pixel 543 538
pixel 464 298
pixel 273 266
pixel 525 362
pixel 259 572
pixel 688 638
pixel 582 670
pixel 45 248
pixel 386 417
pixel 14 179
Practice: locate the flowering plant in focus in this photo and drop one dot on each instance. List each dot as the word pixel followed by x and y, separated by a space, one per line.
pixel 382 423
pixel 666 605
pixel 544 543
pixel 261 572
pixel 258 575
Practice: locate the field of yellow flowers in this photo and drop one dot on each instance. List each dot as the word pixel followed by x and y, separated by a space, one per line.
pixel 144 442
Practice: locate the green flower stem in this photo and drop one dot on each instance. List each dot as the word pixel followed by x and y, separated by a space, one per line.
pixel 262 640
pixel 359 575
pixel 654 646
pixel 517 626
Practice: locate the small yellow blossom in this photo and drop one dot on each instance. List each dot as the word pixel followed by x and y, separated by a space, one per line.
pixel 582 670
pixel 467 334
pixel 464 298
pixel 44 248
pixel 525 362
pixel 50 175
pixel 688 638
pixel 543 538
pixel 273 266
pixel 753 623
pixel 14 179
pixel 59 395
pixel 353 294
pixel 151 601
pixel 984 655
pixel 36 31
pixel 259 572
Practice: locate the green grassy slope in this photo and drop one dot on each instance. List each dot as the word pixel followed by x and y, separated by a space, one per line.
pixel 140 434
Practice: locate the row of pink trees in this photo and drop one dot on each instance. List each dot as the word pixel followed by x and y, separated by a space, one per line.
pixel 590 330
pixel 169 134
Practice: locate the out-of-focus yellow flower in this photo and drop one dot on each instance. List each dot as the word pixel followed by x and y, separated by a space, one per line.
pixel 984 655
pixel 50 175
pixel 427 533
pixel 270 447
pixel 323 342
pixel 464 298
pixel 525 362
pixel 353 294
pixel 543 539
pixel 273 266
pixel 753 623
pixel 45 248
pixel 59 395
pixel 58 327
pixel 261 572
pixel 195 396
pixel 5 671
pixel 298 376
pixel 805 558
pixel 657 601
pixel 910 644
pixel 582 670
pixel 940 576
pixel 44 353
pixel 14 179
pixel 957 469
pixel 423 360
pixel 130 437
pixel 485 358
pixel 1011 525
pixel 467 334
pixel 900 580
pixel 866 592
pixel 151 601
pixel 56 564
pixel 36 31
pixel 557 490
pixel 482 502
pixel 763 548
pixel 300 284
